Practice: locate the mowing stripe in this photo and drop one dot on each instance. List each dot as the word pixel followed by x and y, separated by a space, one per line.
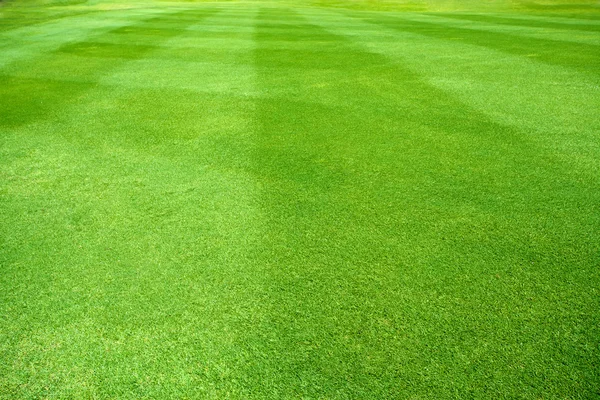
pixel 572 55
pixel 16 18
pixel 319 160
pixel 571 35
pixel 225 72
pixel 47 37
pixel 465 72
pixel 162 185
pixel 524 22
pixel 236 200
pixel 46 77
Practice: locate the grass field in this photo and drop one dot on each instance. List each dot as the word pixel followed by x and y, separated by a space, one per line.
pixel 267 200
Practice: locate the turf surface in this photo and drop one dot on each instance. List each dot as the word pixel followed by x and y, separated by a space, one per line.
pixel 265 200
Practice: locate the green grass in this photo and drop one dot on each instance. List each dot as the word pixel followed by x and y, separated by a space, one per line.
pixel 315 200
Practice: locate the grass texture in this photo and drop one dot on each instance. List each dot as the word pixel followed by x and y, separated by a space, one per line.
pixel 264 200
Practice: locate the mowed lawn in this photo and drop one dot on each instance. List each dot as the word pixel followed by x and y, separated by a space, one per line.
pixel 269 201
